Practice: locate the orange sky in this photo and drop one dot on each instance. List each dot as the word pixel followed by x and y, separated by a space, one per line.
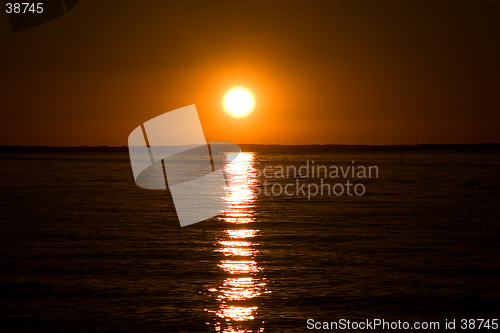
pixel 347 72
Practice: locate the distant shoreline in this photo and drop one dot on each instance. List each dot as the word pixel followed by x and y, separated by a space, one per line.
pixel 260 148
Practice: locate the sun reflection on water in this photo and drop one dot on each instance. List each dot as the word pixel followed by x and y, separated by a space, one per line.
pixel 245 280
pixel 235 243
pixel 238 251
pixel 241 233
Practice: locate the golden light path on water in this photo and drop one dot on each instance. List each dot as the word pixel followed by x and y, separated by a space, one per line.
pixel 245 280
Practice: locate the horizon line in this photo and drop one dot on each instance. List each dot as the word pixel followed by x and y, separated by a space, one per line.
pixel 273 144
pixel 271 148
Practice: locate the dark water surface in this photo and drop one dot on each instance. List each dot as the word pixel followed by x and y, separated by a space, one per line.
pixel 83 249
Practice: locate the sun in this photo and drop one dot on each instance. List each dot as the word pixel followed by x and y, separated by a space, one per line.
pixel 238 102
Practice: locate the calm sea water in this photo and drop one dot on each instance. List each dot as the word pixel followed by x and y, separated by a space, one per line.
pixel 83 249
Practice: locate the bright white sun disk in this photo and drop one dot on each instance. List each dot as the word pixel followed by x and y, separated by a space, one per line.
pixel 238 102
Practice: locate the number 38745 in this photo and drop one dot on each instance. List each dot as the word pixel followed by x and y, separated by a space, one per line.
pixel 24 7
